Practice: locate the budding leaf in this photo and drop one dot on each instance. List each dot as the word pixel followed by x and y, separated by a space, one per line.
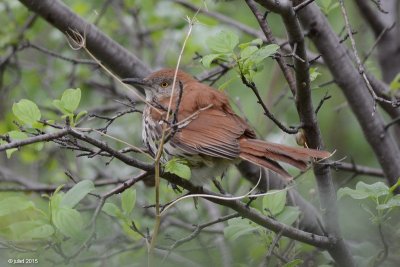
pixel 238 227
pixel 128 199
pixel 26 111
pixel 112 210
pixel 77 193
pixel 395 84
pixel 68 221
pixel 179 167
pixel 70 99
pixel 224 42
pixel 208 59
pixel 14 135
pixel 275 202
pixel 364 190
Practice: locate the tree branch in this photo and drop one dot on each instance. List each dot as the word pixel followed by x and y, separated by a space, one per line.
pixel 354 89
pixel 323 175
pixel 106 50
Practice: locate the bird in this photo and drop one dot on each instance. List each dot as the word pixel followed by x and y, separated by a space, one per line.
pixel 204 131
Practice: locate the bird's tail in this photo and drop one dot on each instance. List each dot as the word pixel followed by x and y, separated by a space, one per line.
pixel 267 154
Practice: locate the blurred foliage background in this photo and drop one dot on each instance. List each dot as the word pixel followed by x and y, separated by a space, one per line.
pixel 154 31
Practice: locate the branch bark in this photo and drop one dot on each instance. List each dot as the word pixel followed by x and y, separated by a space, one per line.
pixel 354 89
pixel 114 56
pixel 389 45
pixel 327 193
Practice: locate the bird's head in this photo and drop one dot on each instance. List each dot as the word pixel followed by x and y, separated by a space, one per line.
pixel 159 84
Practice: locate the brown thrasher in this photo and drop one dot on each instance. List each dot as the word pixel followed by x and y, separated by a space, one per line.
pixel 206 131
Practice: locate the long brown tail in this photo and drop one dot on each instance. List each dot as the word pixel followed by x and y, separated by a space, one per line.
pixel 266 154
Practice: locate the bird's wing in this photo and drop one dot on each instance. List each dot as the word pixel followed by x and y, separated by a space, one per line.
pixel 213 128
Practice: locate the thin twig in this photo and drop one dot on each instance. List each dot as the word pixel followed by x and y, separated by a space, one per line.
pixel 360 66
pixel 378 39
pixel 253 87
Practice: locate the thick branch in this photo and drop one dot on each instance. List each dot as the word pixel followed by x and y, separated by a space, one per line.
pixel 354 88
pixel 106 50
pixel 323 175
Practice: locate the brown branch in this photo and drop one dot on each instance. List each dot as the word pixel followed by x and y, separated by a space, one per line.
pixel 105 49
pixel 268 34
pixel 353 87
pixel 339 252
pixel 36 139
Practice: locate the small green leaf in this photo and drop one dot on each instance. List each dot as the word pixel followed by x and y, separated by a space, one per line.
pixel 14 205
pixel 247 52
pixel 294 263
pixel 392 202
pixel 264 52
pixel 58 104
pixel 224 42
pixel 77 193
pixel 314 73
pixel 208 59
pixel 112 210
pixel 68 221
pixel 70 99
pixel 179 167
pixel 128 200
pixel 14 136
pixel 364 190
pixel 289 215
pixel 395 84
pixel 26 111
pixel 256 42
pixel 352 193
pixel 274 202
pixel 376 189
pixel 238 227
pixel 28 230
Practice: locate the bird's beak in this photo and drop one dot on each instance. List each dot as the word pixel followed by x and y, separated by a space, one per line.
pixel 136 81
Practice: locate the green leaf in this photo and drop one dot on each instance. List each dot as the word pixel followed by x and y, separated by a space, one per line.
pixel 289 215
pixel 224 42
pixel 179 167
pixel 256 42
pixel 56 198
pixel 275 202
pixel 314 73
pixel 58 104
pixel 70 99
pixel 392 202
pixel 128 200
pixel 238 227
pixel 247 52
pixel 26 111
pixel 294 263
pixel 77 193
pixel 395 84
pixel 352 193
pixel 29 230
pixel 264 52
pixel 14 205
pixel 68 221
pixel 364 190
pixel 15 135
pixel 112 210
pixel 208 59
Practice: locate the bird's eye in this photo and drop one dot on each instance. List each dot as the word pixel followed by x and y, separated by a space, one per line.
pixel 164 84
